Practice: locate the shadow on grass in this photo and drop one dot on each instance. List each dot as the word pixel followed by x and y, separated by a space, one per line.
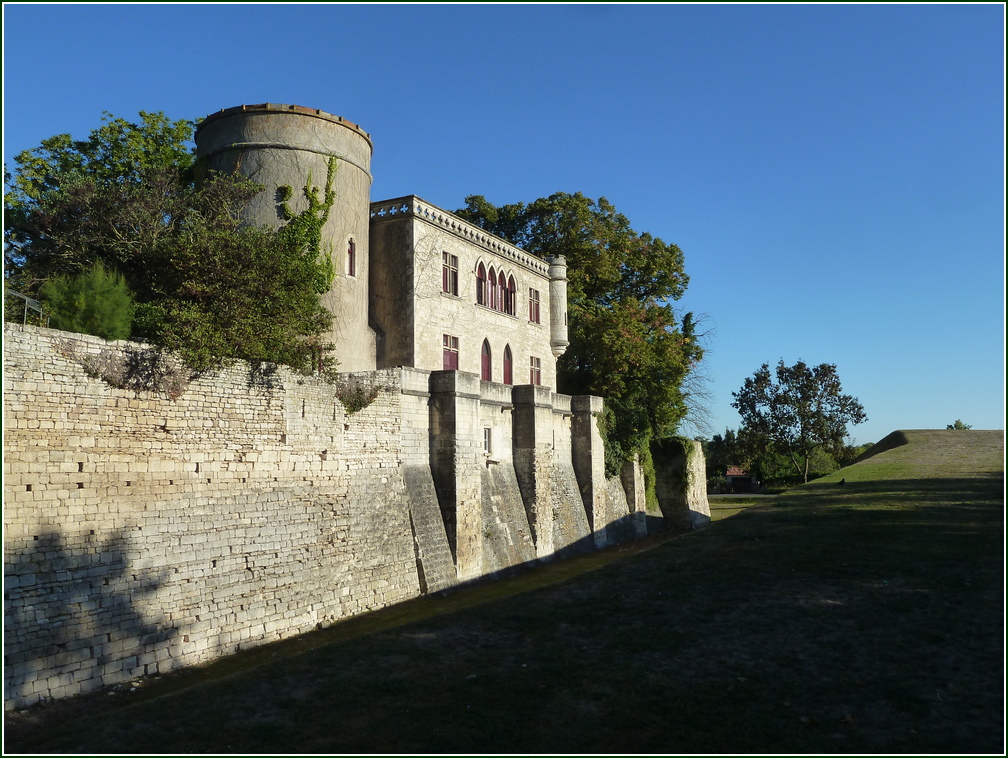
pixel 838 620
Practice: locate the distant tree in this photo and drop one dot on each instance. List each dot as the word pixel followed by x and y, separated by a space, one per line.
pixel 626 342
pixel 94 302
pixel 794 411
pixel 205 284
pixel 722 452
pixel 958 425
pixel 849 453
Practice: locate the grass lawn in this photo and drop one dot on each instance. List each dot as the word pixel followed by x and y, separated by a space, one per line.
pixel 863 618
pixel 723 506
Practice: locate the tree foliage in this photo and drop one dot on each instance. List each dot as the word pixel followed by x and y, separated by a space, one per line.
pixel 118 154
pixel 795 411
pixel 206 284
pixel 959 425
pixel 95 301
pixel 626 342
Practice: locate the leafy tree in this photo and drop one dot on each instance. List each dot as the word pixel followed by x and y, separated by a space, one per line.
pixel 799 413
pixel 118 154
pixel 94 302
pixel 959 425
pixel 219 290
pixel 721 452
pixel 206 285
pixel 626 343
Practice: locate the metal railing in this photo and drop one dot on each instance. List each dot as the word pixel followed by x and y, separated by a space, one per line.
pixel 30 305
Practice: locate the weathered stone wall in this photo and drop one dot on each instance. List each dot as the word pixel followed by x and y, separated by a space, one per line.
pixel 681 482
pixel 507 536
pixel 152 522
pixel 143 532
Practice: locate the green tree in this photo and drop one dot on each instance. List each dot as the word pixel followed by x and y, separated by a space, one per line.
pixel 959 425
pixel 206 284
pixel 94 302
pixel 626 342
pixel 118 154
pixel 795 411
pixel 721 452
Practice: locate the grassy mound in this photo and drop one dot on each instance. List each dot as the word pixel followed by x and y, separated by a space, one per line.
pixel 866 617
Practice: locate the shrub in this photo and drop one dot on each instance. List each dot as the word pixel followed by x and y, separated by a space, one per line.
pixel 95 301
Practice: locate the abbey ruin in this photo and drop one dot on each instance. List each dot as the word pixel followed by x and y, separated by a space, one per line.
pixel 150 524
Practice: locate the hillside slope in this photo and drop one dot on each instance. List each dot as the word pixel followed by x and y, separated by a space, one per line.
pixel 935 452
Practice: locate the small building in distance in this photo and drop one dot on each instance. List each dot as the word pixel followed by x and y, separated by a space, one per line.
pixel 739 480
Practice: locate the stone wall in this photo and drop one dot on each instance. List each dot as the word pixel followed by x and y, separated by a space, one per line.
pixel 153 522
pixel 143 532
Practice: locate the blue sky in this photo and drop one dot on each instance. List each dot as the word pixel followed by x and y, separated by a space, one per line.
pixel 834 174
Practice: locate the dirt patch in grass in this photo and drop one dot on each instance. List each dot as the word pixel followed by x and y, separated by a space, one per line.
pixel 863 618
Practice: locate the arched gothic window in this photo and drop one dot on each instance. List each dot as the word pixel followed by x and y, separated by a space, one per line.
pixel 494 290
pixel 508 376
pixel 351 258
pixel 502 298
pixel 481 288
pixel 486 364
pixel 512 295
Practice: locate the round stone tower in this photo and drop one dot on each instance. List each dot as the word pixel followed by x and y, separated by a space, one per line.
pixel 282 146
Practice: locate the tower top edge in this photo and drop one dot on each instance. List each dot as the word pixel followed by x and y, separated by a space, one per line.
pixel 299 110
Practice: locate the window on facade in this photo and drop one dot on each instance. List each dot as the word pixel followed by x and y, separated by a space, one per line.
pixel 502 297
pixel 351 258
pixel 481 285
pixel 535 371
pixel 507 365
pixel 487 440
pixel 534 306
pixel 450 353
pixel 449 274
pixel 509 301
pixel 494 293
pixel 486 365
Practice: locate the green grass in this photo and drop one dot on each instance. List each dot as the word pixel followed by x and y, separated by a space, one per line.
pixel 725 506
pixel 863 618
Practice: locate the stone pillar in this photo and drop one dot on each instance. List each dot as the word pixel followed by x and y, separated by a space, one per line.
pixel 632 479
pixel 456 456
pixel 435 563
pixel 589 461
pixel 532 450
pixel 681 482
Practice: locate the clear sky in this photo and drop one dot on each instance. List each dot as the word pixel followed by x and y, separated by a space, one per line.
pixel 835 174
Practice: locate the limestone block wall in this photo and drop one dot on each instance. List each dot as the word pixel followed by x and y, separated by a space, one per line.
pixel 143 532
pixel 153 520
pixel 572 526
pixel 555 507
pixel 435 565
pixel 507 536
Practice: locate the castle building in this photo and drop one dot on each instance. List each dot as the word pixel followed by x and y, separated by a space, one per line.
pixel 154 520
pixel 415 285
